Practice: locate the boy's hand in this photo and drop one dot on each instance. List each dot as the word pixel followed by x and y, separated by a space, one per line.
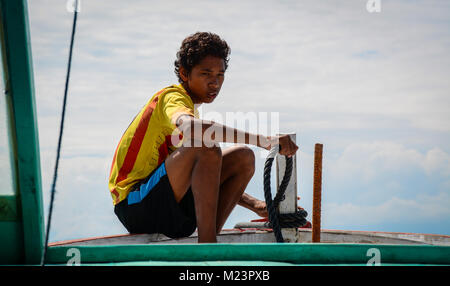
pixel 260 208
pixel 287 146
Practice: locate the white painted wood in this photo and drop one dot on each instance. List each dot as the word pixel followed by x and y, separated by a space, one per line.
pixel 289 204
pixel 255 235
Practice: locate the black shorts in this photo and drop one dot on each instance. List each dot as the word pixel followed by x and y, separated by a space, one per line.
pixel 151 208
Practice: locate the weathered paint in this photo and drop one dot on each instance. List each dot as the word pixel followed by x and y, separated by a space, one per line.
pixel 293 253
pixel 255 235
pixel 20 86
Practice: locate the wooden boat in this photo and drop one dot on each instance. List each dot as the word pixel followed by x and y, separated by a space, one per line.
pixel 21 211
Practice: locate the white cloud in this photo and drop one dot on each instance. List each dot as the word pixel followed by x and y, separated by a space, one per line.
pixel 370 161
pixel 437 161
pixel 418 210
pixel 333 71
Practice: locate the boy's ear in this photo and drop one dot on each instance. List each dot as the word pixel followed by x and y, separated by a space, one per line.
pixel 183 74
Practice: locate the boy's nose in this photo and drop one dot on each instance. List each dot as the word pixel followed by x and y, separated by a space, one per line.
pixel 214 83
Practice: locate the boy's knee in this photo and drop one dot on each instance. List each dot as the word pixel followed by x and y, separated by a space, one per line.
pixel 214 152
pixel 247 160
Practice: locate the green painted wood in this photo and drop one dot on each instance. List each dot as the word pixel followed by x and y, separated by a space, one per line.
pixel 11 241
pixel 11 231
pixel 192 263
pixel 20 85
pixel 302 253
pixel 7 144
pixel 9 210
pixel 232 263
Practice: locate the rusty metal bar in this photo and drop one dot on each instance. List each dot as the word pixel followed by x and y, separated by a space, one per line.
pixel 317 193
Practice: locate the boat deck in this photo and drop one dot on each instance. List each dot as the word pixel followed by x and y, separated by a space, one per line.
pixel 260 235
pixel 256 247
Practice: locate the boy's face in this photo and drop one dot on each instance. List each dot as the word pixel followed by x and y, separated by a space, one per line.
pixel 204 81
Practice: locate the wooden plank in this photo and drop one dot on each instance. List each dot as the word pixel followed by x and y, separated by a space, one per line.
pixel 258 232
pixel 289 204
pixel 20 85
pixel 298 253
pixel 9 210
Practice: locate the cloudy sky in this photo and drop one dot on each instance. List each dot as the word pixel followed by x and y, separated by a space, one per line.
pixel 372 87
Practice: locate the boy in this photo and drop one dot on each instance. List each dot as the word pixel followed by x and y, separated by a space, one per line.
pixel 160 187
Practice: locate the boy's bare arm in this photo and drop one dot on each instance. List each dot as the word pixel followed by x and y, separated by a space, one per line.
pixel 209 133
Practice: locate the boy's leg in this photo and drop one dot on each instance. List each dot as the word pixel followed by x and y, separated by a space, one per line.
pixel 198 168
pixel 238 167
pixel 207 171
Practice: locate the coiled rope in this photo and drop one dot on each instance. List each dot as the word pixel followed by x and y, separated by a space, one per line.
pixel 277 220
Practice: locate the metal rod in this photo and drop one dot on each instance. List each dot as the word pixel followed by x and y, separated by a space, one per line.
pixel 61 128
pixel 317 193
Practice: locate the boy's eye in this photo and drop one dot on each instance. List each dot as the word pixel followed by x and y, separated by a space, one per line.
pixel 209 74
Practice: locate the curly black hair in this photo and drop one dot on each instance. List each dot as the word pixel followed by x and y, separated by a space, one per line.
pixel 196 47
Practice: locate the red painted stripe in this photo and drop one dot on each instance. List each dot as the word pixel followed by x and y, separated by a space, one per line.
pixel 136 142
pixel 63 242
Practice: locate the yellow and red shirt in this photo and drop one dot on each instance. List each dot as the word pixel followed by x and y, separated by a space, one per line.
pixel 148 140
